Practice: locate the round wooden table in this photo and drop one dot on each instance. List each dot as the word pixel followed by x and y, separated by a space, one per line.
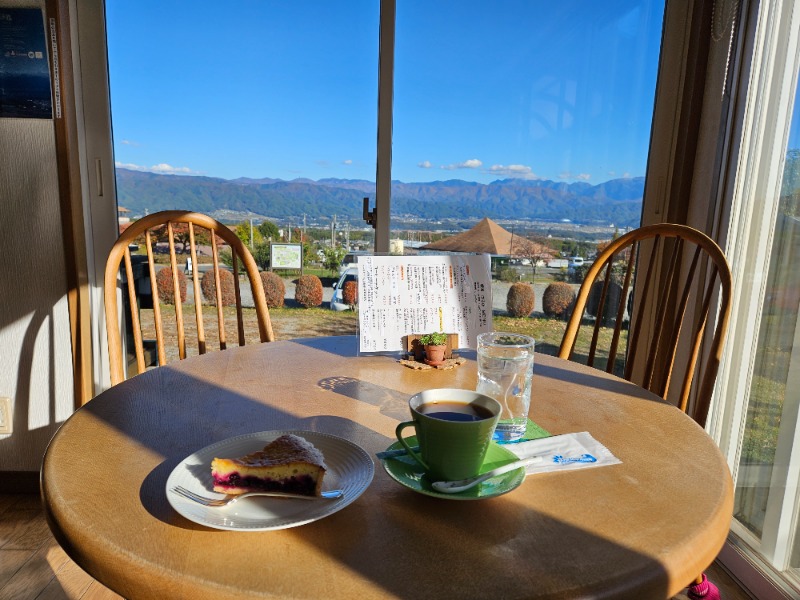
pixel 641 529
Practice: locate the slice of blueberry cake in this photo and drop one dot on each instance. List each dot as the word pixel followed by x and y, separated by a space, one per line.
pixel 288 464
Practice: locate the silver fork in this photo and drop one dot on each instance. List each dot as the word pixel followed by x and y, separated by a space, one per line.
pixel 217 502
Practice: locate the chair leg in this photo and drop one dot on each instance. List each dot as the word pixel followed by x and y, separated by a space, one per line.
pixel 703 588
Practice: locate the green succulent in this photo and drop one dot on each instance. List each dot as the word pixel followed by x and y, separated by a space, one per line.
pixel 433 339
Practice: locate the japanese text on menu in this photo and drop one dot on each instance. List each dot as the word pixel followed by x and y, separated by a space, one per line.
pixel 402 295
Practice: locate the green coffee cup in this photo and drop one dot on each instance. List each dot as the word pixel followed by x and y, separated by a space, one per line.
pixel 454 429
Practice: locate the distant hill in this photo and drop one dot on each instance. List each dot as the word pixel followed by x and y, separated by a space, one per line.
pixel 618 201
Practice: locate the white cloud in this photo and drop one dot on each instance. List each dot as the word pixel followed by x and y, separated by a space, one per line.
pixel 578 177
pixel 347 162
pixel 515 171
pixel 165 168
pixel 425 164
pixel 129 143
pixel 162 168
pixel 472 163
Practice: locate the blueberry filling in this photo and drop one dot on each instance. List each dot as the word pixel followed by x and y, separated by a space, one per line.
pixel 297 484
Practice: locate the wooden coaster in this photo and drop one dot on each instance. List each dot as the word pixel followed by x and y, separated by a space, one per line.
pixel 449 363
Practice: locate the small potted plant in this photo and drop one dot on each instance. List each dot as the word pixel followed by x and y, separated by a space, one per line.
pixel 435 345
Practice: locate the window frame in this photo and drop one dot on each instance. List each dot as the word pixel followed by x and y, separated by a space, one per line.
pixel 767 114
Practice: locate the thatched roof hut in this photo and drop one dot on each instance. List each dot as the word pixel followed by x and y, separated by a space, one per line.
pixel 490 238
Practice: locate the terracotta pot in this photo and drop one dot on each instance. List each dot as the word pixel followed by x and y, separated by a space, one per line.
pixel 434 355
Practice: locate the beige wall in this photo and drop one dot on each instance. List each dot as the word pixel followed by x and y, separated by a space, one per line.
pixel 36 365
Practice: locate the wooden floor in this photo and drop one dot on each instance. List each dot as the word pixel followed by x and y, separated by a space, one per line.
pixel 34 567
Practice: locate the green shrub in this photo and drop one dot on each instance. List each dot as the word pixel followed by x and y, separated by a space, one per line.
pixel 507 274
pixel 274 288
pixel 165 287
pixel 350 293
pixel 557 299
pixel 226 283
pixel 308 291
pixel 520 300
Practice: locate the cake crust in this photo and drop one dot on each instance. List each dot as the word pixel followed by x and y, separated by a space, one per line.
pixel 289 463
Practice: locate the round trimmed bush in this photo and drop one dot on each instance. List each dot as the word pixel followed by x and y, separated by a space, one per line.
pixel 610 305
pixel 520 300
pixel 350 293
pixel 557 299
pixel 226 283
pixel 308 291
pixel 166 290
pixel 274 288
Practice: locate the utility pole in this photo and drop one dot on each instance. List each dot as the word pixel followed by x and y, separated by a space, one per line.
pixel 251 234
pixel 333 232
pixel 303 237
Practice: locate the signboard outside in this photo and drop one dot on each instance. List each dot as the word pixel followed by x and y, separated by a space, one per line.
pixel 286 256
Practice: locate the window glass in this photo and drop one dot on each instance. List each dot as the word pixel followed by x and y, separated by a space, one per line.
pixel 535 92
pixel 261 114
pixel 534 115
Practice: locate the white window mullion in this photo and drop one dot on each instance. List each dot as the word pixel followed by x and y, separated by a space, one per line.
pixel 383 176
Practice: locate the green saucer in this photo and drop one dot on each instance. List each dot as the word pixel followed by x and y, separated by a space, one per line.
pixel 407 472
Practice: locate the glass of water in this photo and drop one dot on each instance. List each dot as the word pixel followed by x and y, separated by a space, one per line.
pixel 505 370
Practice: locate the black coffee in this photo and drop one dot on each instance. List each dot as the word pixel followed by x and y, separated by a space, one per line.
pixel 455 411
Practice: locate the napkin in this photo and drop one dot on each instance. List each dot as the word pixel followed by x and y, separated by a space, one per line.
pixel 564 453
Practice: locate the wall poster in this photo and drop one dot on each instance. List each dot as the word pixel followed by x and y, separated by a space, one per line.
pixel 402 295
pixel 24 68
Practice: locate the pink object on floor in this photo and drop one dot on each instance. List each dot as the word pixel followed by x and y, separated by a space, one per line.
pixel 705 590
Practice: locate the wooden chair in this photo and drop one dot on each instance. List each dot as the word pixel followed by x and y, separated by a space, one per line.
pixel 187 226
pixel 673 264
pixel 678 272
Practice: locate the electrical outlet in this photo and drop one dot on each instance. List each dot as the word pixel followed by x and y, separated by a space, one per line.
pixel 6 419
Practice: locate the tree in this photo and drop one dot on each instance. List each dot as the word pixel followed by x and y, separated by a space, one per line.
pixel 309 254
pixel 333 258
pixel 269 230
pixel 243 231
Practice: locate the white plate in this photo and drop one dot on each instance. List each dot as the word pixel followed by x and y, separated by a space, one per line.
pixel 350 469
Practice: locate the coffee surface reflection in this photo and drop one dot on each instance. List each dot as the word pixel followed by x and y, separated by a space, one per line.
pixel 455 411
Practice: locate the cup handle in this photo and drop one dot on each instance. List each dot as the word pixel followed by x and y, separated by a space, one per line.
pixel 405 445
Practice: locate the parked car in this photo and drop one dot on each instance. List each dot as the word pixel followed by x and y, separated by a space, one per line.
pixel 351 260
pixel 337 303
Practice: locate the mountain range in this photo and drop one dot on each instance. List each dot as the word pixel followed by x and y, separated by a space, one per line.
pixel 617 201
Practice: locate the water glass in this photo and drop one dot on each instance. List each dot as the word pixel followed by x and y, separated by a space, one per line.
pixel 505 371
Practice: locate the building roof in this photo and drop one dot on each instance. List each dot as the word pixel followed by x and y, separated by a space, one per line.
pixel 490 238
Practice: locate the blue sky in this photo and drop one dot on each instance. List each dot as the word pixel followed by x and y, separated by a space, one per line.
pixel 526 88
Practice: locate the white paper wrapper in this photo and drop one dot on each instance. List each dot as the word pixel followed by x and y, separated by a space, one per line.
pixel 564 453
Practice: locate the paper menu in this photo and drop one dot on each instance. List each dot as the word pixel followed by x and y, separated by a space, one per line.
pixel 402 295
